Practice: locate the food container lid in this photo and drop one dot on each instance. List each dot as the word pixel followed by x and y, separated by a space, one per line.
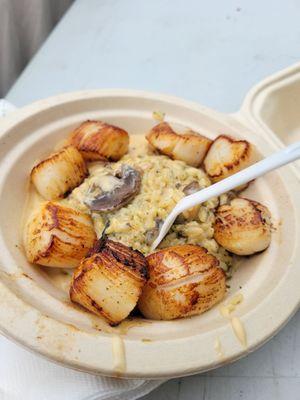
pixel 273 106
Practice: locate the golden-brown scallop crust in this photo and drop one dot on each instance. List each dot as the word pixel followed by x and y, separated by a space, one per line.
pixel 109 281
pixel 129 258
pixel 59 173
pixel 243 227
pixel 227 156
pixel 190 146
pixel 183 280
pixel 99 141
pixel 58 236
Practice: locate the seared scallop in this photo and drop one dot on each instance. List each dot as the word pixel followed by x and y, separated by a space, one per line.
pixel 226 156
pixel 59 173
pixel 183 280
pixel 243 227
pixel 58 236
pixel 97 140
pixel 110 280
pixel 189 146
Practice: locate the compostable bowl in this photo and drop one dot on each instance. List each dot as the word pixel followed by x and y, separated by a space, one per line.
pixel 34 306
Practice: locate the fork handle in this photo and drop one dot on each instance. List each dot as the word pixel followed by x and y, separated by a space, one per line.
pixel 282 157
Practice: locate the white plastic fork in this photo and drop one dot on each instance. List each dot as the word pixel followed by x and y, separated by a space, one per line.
pixel 282 157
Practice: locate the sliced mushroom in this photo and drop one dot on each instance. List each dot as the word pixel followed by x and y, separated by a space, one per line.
pixel 191 213
pixel 152 234
pixel 126 184
pixel 191 188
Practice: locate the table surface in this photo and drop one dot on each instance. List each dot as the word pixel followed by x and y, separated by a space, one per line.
pixel 211 52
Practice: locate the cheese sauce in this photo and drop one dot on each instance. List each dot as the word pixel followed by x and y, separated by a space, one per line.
pixel 118 351
pixel 127 324
pixel 239 330
pixel 227 309
pixel 236 323
pixel 219 349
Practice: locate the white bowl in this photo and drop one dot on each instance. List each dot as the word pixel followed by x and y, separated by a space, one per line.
pixel 35 310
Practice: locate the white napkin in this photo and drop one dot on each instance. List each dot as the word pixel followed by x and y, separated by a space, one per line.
pixel 26 376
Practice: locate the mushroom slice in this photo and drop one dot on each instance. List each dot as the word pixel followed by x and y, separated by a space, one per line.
pixel 190 146
pixel 243 227
pixel 191 188
pixel 226 156
pixel 97 140
pixel 151 234
pixel 110 280
pixel 126 184
pixel 58 236
pixel 191 213
pixel 59 174
pixel 183 280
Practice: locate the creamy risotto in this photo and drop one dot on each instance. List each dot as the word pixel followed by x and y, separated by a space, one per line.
pixel 164 183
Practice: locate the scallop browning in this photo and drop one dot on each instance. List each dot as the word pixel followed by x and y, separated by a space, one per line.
pixel 110 280
pixel 189 146
pixel 183 280
pixel 243 227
